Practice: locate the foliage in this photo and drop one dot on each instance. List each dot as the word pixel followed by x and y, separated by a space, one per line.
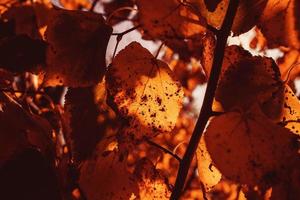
pixel 78 124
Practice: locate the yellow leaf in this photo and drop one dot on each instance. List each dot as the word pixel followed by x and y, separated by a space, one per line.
pixel 145 91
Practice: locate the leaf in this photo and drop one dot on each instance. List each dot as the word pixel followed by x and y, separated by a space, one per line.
pixel 289 107
pixel 144 91
pixel 152 184
pixel 249 13
pixel 248 80
pixel 173 23
pixel 25 20
pixel 105 176
pixel 19 130
pixel 283 28
pixel 249 148
pixel 76 55
pixel 209 175
pixel 29 175
pixel 21 53
pixel 75 4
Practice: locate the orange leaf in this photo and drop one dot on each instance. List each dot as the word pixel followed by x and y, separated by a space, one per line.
pixel 145 91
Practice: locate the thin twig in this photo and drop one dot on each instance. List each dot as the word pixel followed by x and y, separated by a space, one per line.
pixel 94 5
pixel 164 149
pixel 120 36
pixel 158 51
pixel 206 111
pixel 127 31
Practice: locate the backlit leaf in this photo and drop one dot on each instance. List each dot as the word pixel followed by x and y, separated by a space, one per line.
pixel 76 55
pixel 249 148
pixel 174 23
pixel 248 80
pixel 209 175
pixel 145 91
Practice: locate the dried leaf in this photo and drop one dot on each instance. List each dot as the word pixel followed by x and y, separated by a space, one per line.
pixel 76 55
pixel 144 91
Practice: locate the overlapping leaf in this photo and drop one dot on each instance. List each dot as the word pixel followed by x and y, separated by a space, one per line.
pixel 283 28
pixel 19 129
pixel 76 54
pixel 249 148
pixel 174 23
pixel 209 175
pixel 248 80
pixel 145 92
pixel 249 13
pixel 106 177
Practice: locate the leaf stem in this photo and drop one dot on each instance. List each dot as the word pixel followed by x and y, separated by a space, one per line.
pixel 206 108
pixel 164 150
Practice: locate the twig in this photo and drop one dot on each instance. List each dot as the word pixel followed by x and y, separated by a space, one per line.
pixel 94 5
pixel 158 51
pixel 206 111
pixel 120 36
pixel 127 31
pixel 164 149
pixel 118 10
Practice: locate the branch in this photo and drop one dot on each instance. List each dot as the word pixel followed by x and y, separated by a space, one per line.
pixel 206 111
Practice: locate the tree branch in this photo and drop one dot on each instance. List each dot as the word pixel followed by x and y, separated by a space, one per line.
pixel 206 109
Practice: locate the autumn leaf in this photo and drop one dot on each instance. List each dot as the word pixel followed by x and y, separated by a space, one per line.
pixel 209 175
pixel 19 129
pixel 29 175
pixel 284 108
pixel 98 178
pixel 152 184
pixel 283 28
pixel 76 54
pixel 257 77
pixel 22 53
pixel 249 148
pixel 145 92
pixel 249 13
pixel 173 23
pixel 25 20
